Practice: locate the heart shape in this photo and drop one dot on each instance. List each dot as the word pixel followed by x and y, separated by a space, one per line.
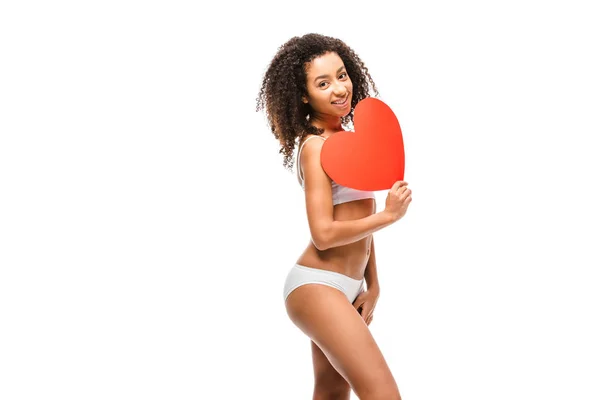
pixel 371 157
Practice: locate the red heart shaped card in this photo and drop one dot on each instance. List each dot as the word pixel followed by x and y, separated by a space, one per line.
pixel 371 157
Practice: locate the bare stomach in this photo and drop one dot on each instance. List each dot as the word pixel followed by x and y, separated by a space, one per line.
pixel 350 259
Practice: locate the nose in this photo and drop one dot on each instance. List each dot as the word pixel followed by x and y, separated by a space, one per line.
pixel 339 89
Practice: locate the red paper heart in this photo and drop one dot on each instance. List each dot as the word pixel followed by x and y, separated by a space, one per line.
pixel 372 157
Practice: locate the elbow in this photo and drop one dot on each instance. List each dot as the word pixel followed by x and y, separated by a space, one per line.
pixel 322 240
pixel 320 245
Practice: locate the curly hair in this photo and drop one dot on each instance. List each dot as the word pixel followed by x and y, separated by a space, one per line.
pixel 284 84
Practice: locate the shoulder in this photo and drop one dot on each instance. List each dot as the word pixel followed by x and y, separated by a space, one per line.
pixel 310 158
pixel 310 145
pixel 309 140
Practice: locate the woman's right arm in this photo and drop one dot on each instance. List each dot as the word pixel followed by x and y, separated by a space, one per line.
pixel 325 231
pixel 344 232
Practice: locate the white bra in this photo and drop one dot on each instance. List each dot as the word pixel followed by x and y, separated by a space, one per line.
pixel 341 194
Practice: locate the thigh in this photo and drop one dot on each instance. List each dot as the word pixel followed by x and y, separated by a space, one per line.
pixel 327 317
pixel 326 377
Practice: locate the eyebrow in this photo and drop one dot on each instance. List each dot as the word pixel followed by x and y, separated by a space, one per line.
pixel 325 76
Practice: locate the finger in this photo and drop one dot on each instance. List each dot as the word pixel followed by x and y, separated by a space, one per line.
pixel 402 189
pixel 359 308
pixel 397 185
pixel 358 303
pixel 366 312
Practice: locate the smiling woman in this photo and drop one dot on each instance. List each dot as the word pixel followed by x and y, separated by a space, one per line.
pixel 310 90
pixel 318 88
pixel 286 86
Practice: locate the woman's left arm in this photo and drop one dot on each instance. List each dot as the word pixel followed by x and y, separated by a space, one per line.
pixel 371 270
pixel 367 300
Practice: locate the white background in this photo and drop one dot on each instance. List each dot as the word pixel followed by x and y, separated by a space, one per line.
pixel 147 223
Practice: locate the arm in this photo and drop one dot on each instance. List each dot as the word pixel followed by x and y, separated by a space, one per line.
pixel 325 231
pixel 340 233
pixel 371 270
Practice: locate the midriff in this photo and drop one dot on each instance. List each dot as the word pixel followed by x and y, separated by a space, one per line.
pixel 350 259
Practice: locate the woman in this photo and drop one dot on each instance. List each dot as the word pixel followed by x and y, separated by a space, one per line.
pixel 309 91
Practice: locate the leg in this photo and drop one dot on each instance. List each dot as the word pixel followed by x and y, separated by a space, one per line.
pixel 329 384
pixel 325 315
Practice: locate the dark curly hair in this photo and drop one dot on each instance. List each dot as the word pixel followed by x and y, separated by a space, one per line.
pixel 284 84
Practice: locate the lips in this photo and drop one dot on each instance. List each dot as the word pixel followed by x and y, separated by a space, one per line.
pixel 343 103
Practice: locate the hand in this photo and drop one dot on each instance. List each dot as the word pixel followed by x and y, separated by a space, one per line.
pixel 398 199
pixel 365 304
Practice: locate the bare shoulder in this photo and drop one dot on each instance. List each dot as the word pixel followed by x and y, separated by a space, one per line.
pixel 308 142
pixel 317 192
pixel 310 159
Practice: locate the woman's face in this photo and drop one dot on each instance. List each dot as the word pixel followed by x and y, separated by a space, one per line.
pixel 328 85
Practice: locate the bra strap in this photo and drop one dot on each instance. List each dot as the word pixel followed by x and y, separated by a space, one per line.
pixel 298 166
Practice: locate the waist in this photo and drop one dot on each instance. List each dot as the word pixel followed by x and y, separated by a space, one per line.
pixel 350 260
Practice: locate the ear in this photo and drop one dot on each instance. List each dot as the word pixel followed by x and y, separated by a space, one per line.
pixel 304 100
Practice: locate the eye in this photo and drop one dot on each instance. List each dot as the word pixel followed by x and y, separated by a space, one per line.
pixel 321 84
pixel 344 74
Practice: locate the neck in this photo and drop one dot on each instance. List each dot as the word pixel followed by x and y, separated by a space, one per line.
pixel 330 124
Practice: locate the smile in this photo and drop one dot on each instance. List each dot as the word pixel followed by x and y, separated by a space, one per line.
pixel 343 103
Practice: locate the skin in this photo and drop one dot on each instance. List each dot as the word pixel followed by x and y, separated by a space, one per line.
pixel 350 259
pixel 345 355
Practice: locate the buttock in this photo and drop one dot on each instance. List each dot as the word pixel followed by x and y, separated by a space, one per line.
pixel 301 275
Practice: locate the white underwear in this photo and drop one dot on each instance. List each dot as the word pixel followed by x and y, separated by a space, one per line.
pixel 301 275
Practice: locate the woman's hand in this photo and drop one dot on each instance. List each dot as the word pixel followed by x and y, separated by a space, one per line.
pixel 365 304
pixel 398 200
